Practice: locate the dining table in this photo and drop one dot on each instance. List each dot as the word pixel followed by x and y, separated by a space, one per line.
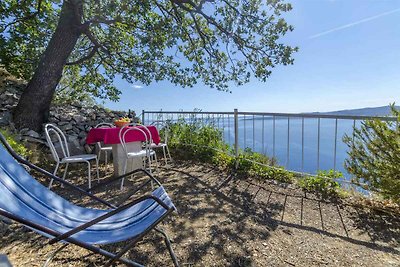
pixel 133 141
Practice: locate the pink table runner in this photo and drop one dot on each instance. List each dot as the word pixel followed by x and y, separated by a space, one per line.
pixel 110 136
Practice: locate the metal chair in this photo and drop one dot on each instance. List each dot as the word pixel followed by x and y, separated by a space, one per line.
pixel 24 200
pixel 64 157
pixel 162 125
pixel 149 143
pixel 144 154
pixel 101 147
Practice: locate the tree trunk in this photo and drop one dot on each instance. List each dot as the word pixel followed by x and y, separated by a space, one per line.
pixel 34 105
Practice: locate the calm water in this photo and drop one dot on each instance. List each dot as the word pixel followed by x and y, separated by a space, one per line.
pixel 252 135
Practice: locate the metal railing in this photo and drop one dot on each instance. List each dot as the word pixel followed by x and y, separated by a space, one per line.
pixel 304 143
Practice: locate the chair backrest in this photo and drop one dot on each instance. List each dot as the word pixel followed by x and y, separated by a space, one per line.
pixel 25 197
pixel 162 125
pixel 150 137
pixel 52 132
pixel 129 128
pixel 103 125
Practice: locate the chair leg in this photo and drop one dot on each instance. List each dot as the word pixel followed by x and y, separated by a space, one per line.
pixel 131 170
pixel 149 161
pixel 53 254
pixel 165 155
pixel 124 171
pixel 168 245
pixel 97 170
pixel 106 159
pixel 155 159
pixel 117 256
pixel 169 155
pixel 99 153
pixel 55 174
pixel 89 175
pixel 65 171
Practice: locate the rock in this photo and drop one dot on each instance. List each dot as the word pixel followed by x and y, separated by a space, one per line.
pixel 88 149
pixel 33 140
pixel 9 107
pixel 12 127
pixel 32 133
pixel 62 123
pixel 77 105
pixel 78 118
pixel 67 127
pixel 81 127
pixel 24 131
pixel 72 138
pixel 82 142
pixel 53 120
pixel 82 134
pixel 3 97
pixel 5 118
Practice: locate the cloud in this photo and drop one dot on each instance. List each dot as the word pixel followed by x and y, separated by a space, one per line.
pixel 137 86
pixel 354 23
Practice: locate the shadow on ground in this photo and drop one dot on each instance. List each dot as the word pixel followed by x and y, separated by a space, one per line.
pixel 226 221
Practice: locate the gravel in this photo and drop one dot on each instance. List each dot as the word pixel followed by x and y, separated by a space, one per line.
pixel 226 221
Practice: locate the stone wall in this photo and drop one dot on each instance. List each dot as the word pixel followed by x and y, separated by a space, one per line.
pixel 74 120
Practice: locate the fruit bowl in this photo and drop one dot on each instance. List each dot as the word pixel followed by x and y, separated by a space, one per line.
pixel 121 122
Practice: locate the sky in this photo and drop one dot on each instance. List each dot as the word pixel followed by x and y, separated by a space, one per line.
pixel 349 57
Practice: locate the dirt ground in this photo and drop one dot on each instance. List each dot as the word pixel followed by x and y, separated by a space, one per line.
pixel 227 221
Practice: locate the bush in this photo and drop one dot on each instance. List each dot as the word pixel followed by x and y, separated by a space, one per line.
pixel 374 156
pixel 18 146
pixel 256 164
pixel 205 143
pixel 324 182
pixel 197 141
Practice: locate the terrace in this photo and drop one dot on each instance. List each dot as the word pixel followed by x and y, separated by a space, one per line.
pixel 227 220
pixel 251 188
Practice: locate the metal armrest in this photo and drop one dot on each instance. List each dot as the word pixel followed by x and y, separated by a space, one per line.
pixel 107 215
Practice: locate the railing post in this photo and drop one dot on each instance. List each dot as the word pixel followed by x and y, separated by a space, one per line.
pixel 143 117
pixel 236 125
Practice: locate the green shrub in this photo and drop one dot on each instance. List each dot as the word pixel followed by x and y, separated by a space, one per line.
pixel 374 156
pixel 324 182
pixel 18 146
pixel 258 165
pixel 196 141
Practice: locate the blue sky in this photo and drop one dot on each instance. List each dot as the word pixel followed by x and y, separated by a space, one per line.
pixel 349 57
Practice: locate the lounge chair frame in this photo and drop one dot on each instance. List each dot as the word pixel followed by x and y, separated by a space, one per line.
pixel 66 237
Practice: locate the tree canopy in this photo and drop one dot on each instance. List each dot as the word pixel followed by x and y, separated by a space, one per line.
pixel 182 41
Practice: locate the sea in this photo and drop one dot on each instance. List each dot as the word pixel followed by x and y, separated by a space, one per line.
pixel 294 142
pixel 299 144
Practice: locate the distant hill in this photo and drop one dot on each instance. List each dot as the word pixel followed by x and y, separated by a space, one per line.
pixel 373 111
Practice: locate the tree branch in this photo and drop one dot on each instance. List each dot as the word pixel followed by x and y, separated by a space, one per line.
pixel 96 45
pixel 27 17
pixel 87 57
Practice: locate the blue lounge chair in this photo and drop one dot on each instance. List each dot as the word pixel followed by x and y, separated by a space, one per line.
pixel 25 200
